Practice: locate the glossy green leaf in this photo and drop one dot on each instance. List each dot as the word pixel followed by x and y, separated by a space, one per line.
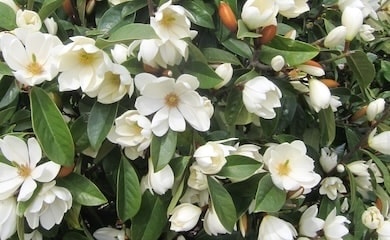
pixel 79 133
pixel 6 114
pixel 7 17
pixel 243 31
pixel 100 121
pixel 327 126
pixel 128 194
pixel 216 55
pixel 362 68
pixel 269 198
pixel 82 189
pixel 352 188
pixel 5 70
pixel 74 236
pixel 222 203
pixel 199 12
pixel 234 105
pixel 150 219
pixel 162 149
pixel 9 92
pixel 50 128
pixel 293 51
pixel 206 76
pixel 48 7
pixel 238 47
pixel 239 167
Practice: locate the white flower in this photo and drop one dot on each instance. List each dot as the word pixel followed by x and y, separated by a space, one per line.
pixel 197 179
pixel 334 103
pixel 275 228
pixel 132 131
pixel 28 19
pixel 51 26
pixel 277 63
pixel 365 33
pixel 194 196
pixel 173 101
pixel 49 206
pixel 224 71
pixel 334 228
pixel 119 53
pixel 374 108
pixel 335 37
pixel 380 142
pixel 372 218
pixel 309 224
pixel 211 156
pixel 248 150
pixel 82 65
pixel 158 182
pixel 117 83
pixel 359 168
pixel 261 96
pixel 375 170
pixel 184 217
pixel 171 22
pixel 290 167
pixel 312 70
pixel 108 233
pixel 211 224
pixel 24 170
pixel 259 13
pixel 331 186
pixel 320 96
pixel 32 62
pixel 384 231
pixel 7 217
pixel 352 19
pixel 292 8
pixel 328 159
pixel 344 205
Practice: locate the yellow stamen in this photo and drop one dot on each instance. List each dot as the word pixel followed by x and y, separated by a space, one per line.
pixel 284 168
pixel 34 67
pixel 86 58
pixel 172 100
pixel 24 171
pixel 168 19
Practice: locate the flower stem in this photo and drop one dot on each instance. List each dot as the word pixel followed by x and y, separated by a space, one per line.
pixel 150 8
pixel 30 4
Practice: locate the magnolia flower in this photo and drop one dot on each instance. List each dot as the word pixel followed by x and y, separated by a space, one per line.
pixel 372 218
pixel 309 224
pixel 132 131
pixel 374 108
pixel 211 224
pixel 197 179
pixel 49 206
pixel 193 196
pixel 275 228
pixel 158 182
pixel 24 170
pixel 368 7
pixel 28 19
pixel 51 26
pixel 384 230
pixel 331 186
pixel 380 142
pixel 259 13
pixel 359 168
pixel 82 65
pixel 334 103
pixel 224 71
pixel 248 150
pixel 328 159
pixel 117 83
pixel 184 217
pixel 31 62
pixel 292 8
pixel 352 19
pixel 7 217
pixel 210 157
pixel 320 96
pixel 277 63
pixel 261 96
pixel 335 37
pixel 119 53
pixel 290 167
pixel 334 228
pixel 365 33
pixel 312 70
pixel 173 101
pixel 108 233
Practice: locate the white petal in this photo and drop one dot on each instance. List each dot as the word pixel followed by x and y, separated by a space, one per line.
pixel 34 151
pixel 27 189
pixel 46 171
pixel 15 150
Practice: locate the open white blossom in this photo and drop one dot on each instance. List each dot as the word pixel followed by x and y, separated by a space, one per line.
pixel 7 217
pixel 328 159
pixel 290 167
pixel 331 186
pixel 24 171
pixel 261 96
pixel 201 198
pixel 158 182
pixel 173 101
pixel 275 228
pixel 372 217
pixel 31 60
pixel 292 8
pixel 184 217
pixel 334 228
pixel 49 206
pixel 132 131
pixel 384 230
pixel 366 33
pixel 28 19
pixel 380 142
pixel 310 224
pixel 108 233
pixel 211 224
pixel 197 179
pixel 259 13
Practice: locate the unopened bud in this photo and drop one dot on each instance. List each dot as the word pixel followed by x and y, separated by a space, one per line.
pixel 277 63
pixel 312 67
pixel 358 114
pixel 267 34
pixel 227 16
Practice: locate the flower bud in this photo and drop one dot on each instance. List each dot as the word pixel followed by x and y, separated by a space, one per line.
pixel 292 34
pixel 28 19
pixel 267 34
pixel 380 142
pixel 352 19
pixel 224 71
pixel 227 16
pixel 328 159
pixel 119 53
pixel 51 26
pixel 374 108
pixel 340 168
pixel 184 217
pixel 320 96
pixel 335 37
pixel 372 218
pixel 212 225
pixel 312 67
pixel 243 224
pixel 259 13
pixel 330 83
pixel 277 63
pixel 359 113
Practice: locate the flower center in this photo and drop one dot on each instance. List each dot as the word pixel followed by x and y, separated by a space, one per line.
pixel 34 67
pixel 24 171
pixel 168 19
pixel 284 168
pixel 86 58
pixel 172 100
pixel 113 79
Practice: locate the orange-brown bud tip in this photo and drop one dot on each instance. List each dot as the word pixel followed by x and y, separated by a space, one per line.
pixel 65 171
pixel 330 83
pixel 360 113
pixel 378 204
pixel 227 16
pixel 267 34
pixel 313 63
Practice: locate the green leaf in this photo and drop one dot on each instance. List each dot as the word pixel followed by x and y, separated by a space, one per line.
pixel 327 126
pixel 293 51
pixel 234 105
pixel 74 236
pixel 48 7
pixel 269 198
pixel 9 91
pixel 162 149
pixel 216 55
pixel 199 12
pixel 238 47
pixel 206 76
pixel 100 121
pixel 7 17
pixel 382 167
pixel 150 219
pixel 128 200
pixel 6 114
pixel 50 128
pixel 222 203
pixel 82 189
pixel 243 31
pixel 79 133
pixel 362 68
pixel 239 167
pixel 352 188
pixel 4 69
